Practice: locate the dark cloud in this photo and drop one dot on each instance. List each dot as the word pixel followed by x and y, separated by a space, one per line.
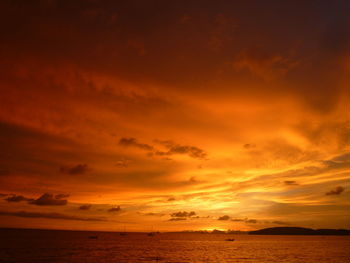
pixel 154 214
pixel 225 217
pixel 133 142
pixel 114 209
pixel 61 196
pixel 74 170
pixel 48 215
pixel 177 219
pixel 251 221
pixel 249 146
pixel 337 191
pixel 3 195
pixel 17 198
pixel 245 220
pixel 290 183
pixel 192 151
pixel 170 199
pixel 84 207
pixel 174 148
pixel 255 221
pixel 183 214
pixel 122 163
pixel 193 179
pixel 238 220
pixel 49 200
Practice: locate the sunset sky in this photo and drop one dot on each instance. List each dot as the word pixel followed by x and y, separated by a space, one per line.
pixel 174 115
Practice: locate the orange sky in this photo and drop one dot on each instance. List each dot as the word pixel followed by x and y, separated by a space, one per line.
pixel 170 115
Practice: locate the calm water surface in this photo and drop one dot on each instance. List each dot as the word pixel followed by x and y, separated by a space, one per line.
pixel 76 247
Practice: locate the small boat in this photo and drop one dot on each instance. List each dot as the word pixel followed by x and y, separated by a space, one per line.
pixel 93 237
pixel 152 233
pixel 124 232
pixel 230 239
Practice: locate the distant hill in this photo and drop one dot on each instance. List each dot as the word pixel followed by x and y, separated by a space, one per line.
pixel 300 231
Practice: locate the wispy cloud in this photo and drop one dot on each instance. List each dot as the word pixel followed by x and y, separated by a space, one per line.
pixel 85 207
pixel 74 170
pixel 49 216
pixel 114 209
pixel 49 200
pixel 337 191
pixel 133 142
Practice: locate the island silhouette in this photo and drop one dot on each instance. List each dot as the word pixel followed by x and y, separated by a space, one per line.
pixel 300 231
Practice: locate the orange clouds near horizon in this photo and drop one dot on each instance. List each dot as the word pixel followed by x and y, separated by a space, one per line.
pixel 145 114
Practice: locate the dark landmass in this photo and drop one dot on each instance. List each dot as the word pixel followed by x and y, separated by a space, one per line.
pixel 300 231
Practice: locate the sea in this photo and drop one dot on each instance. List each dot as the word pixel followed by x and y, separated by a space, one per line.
pixel 36 246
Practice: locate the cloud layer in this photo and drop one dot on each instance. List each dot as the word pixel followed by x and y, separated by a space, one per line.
pixel 164 108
